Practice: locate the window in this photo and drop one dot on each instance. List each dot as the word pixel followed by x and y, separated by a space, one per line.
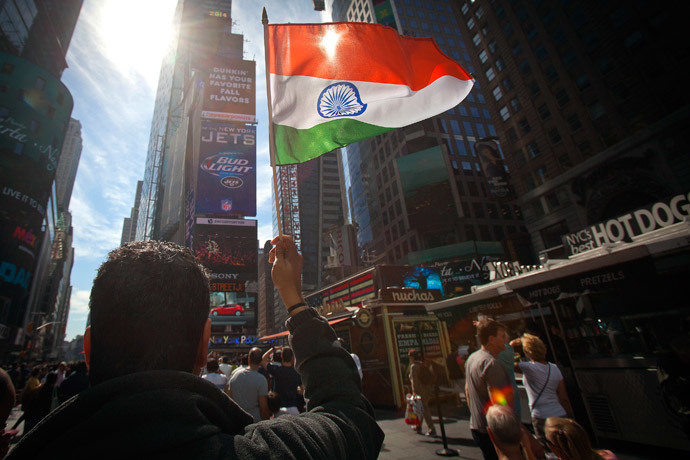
pixel 508 30
pixel 492 46
pixel 508 84
pixel 470 23
pixel 483 56
pixel 562 98
pixel 40 83
pixel 574 122
pixel 554 136
pixel 492 129
pixel 467 166
pixel 551 73
pixel 517 49
pixel 465 9
pixel 490 74
pixel 472 189
pixel 478 210
pixel 524 126
pixel 596 110
pixel 541 53
pixel 476 40
pixel 582 82
pixel 604 64
pixel 479 12
pixel 500 65
pixel 564 161
pixel 455 126
pixel 504 113
pixel 541 176
pixel 461 147
pixel 533 149
pixel 475 112
pixel 468 128
pixel 524 67
pixel 485 29
pixel 515 104
pixel 585 147
pixel 480 130
pixel 497 93
pixel 568 58
pixel 544 112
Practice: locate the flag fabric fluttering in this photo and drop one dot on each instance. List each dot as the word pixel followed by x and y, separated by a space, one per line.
pixel 334 84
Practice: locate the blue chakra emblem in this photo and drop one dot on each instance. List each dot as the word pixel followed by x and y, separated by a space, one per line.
pixel 340 100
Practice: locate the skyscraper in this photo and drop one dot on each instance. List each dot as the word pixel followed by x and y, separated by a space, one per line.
pixel 35 109
pixel 68 164
pixel 461 215
pixel 129 226
pixel 587 105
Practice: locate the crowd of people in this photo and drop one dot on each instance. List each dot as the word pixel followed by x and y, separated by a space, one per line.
pixel 491 393
pixel 148 385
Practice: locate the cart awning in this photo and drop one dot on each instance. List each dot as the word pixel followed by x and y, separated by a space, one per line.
pixel 285 333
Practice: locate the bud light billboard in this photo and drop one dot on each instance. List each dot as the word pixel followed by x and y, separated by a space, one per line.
pixel 35 109
pixel 226 178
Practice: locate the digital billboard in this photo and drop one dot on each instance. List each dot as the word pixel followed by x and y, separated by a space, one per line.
pixel 229 91
pixel 426 186
pixel 226 178
pixel 494 169
pixel 405 276
pixel 35 108
pixel 228 248
pixel 384 13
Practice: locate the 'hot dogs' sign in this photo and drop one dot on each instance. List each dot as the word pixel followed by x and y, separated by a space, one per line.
pixel 624 228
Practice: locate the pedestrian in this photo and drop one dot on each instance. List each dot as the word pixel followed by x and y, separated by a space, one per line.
pixel 546 391
pixel 510 439
pixel 486 382
pixel 77 382
pixel 455 372
pixel 146 344
pixel 225 367
pixel 214 375
pixel 249 389
pixel 286 380
pixel 568 441
pixel 7 400
pixel 421 381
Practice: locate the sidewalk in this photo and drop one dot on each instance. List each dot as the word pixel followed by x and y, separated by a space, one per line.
pixel 402 443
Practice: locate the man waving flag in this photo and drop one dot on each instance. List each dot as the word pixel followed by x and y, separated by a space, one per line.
pixel 334 84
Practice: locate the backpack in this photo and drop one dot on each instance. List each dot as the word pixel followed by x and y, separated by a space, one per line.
pixel 425 375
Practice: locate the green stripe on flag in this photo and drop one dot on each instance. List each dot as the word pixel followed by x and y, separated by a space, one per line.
pixel 299 145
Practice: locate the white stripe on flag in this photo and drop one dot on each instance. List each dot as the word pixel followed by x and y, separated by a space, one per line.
pixel 391 106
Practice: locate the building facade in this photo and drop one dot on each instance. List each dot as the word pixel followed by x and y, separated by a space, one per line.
pixel 464 215
pixel 68 164
pixel 585 101
pixel 129 226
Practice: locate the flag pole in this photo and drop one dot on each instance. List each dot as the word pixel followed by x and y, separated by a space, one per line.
pixel 271 135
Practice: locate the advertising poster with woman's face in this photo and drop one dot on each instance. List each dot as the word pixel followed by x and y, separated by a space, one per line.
pixel 494 169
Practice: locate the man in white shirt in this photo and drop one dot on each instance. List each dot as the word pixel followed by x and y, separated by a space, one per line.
pixel 225 367
pixel 214 375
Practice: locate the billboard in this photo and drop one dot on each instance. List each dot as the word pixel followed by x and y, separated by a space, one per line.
pixel 226 178
pixel 384 11
pixel 494 169
pixel 228 249
pixel 405 276
pixel 35 109
pixel 426 186
pixel 229 91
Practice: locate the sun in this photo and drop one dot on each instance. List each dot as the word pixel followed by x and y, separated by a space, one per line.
pixel 136 35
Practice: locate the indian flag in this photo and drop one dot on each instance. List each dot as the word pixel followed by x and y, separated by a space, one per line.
pixel 334 84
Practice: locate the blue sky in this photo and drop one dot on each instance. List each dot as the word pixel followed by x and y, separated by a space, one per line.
pixel 114 61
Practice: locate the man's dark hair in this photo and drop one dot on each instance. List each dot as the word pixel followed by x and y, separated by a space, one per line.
pixel 244 361
pixel 414 355
pixel 277 356
pixel 255 356
pixel 273 402
pixel 287 354
pixel 149 304
pixel 488 327
pixel 212 365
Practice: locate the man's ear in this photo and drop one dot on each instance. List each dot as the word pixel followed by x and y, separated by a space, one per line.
pixel 202 348
pixel 87 345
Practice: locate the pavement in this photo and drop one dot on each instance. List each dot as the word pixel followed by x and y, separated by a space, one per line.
pixel 402 443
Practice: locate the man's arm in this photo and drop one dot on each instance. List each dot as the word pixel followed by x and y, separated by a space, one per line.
pixel 263 408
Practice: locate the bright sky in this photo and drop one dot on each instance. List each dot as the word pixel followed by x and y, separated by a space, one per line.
pixel 114 60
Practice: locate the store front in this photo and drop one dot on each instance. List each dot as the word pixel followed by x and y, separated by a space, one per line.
pixel 615 319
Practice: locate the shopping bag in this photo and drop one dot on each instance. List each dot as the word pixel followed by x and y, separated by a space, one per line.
pixel 412 414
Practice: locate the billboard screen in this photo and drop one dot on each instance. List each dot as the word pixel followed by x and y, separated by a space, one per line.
pixel 494 169
pixel 405 276
pixel 35 109
pixel 384 13
pixel 229 91
pixel 226 179
pixel 229 249
pixel 426 186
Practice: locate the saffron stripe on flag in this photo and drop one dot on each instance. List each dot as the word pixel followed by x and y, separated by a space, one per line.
pixel 335 52
pixel 299 145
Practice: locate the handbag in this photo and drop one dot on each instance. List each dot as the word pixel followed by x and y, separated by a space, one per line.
pixel 531 407
pixel 412 415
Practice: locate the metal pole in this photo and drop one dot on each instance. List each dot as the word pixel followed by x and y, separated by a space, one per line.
pixel 445 452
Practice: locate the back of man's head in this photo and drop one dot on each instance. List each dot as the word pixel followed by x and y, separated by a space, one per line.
pixel 488 327
pixel 212 365
pixel 149 304
pixel 504 425
pixel 287 355
pixel 255 356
